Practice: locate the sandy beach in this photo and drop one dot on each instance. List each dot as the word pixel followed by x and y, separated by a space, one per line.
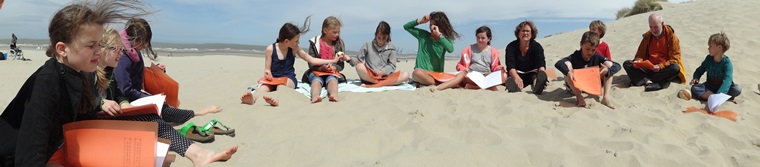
pixel 458 127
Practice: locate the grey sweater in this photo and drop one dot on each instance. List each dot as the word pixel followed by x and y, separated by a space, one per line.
pixel 375 57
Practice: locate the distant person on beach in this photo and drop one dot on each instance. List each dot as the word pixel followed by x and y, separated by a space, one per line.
pixel 598 27
pixel 59 92
pixel 279 61
pixel 129 75
pixel 14 39
pixel 661 47
pixel 326 46
pixel 112 101
pixel 719 71
pixel 433 45
pixel 378 57
pixel 479 57
pixel 588 57
pixel 525 60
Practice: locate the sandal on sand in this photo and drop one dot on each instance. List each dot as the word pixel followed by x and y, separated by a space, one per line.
pixel 195 133
pixel 212 128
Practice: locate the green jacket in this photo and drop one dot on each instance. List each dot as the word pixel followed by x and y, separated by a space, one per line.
pixel 429 53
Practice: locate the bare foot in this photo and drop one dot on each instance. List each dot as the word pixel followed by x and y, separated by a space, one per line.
pixel 210 156
pixel 432 89
pixel 607 103
pixel 733 101
pixel 333 98
pixel 365 85
pixel 271 101
pixel 316 100
pixel 247 98
pixel 581 102
pixel 209 109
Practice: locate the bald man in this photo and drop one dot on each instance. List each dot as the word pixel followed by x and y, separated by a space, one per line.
pixel 661 47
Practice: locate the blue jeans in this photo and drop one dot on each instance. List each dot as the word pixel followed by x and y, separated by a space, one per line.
pixel 322 79
pixel 698 89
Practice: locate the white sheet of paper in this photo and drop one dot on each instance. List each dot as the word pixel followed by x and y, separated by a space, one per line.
pixel 161 150
pixel 155 99
pixel 493 79
pixel 715 100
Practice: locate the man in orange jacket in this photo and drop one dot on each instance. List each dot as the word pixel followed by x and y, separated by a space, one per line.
pixel 661 47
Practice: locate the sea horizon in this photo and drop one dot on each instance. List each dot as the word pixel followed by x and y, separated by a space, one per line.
pixel 187 49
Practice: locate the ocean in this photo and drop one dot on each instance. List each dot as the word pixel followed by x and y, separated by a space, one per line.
pixel 178 49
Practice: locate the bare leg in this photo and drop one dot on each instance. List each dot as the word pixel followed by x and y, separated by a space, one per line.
pixel 291 84
pixel 453 83
pixel 361 70
pixel 271 101
pixel 332 90
pixel 250 99
pixel 208 110
pixel 576 92
pixel 316 91
pixel 403 77
pixel 606 97
pixel 422 77
pixel 201 156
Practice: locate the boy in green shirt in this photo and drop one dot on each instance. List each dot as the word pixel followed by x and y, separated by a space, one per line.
pixel 719 71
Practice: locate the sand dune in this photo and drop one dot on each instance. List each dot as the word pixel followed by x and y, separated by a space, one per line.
pixel 484 128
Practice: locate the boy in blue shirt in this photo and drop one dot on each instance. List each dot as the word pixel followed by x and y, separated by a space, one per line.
pixel 719 71
pixel 588 57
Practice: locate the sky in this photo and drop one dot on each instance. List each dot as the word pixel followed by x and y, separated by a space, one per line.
pixel 257 22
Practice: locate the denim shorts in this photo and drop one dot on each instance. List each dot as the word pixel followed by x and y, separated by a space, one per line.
pixel 322 79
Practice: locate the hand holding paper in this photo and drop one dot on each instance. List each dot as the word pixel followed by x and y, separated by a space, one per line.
pixel 646 64
pixel 483 82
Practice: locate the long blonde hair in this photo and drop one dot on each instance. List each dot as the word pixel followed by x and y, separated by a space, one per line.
pixel 110 38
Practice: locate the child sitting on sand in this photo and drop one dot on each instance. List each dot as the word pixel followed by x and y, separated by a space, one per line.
pixel 432 45
pixel 719 71
pixel 587 57
pixel 112 101
pixel 598 27
pixel 378 57
pixel 279 60
pixel 58 92
pixel 479 57
pixel 326 46
pixel 129 74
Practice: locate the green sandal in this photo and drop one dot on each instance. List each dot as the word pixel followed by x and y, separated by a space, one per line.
pixel 211 127
pixel 195 133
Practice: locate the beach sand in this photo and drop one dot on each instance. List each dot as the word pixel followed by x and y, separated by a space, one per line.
pixel 483 128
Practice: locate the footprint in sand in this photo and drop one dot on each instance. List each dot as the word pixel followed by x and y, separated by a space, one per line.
pixel 416 116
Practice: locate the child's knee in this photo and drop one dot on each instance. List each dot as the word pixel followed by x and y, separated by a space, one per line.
pixel 697 90
pixel 735 90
